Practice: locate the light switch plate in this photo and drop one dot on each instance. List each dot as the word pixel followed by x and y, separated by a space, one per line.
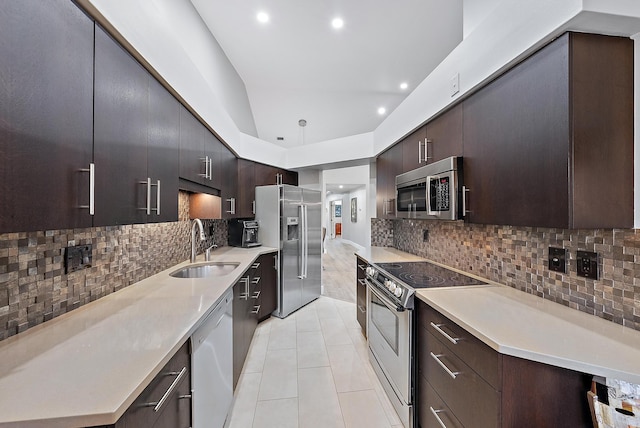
pixel 558 260
pixel 455 84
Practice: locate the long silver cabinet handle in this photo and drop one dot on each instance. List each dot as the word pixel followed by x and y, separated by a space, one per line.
pixel 210 177
pixel 206 167
pixel 157 208
pixel 92 188
pixel 245 295
pixel 437 358
pixel 420 152
pixel 253 207
pixel 232 205
pixel 426 149
pixel 453 340
pixel 157 405
pixel 435 414
pixel 147 208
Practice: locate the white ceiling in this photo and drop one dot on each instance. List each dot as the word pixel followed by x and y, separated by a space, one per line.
pixel 297 66
pixel 346 188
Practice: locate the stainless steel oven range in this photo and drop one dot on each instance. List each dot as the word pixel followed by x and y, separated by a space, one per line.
pixel 391 323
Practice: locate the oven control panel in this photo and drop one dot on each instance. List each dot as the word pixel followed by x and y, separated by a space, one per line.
pixel 389 285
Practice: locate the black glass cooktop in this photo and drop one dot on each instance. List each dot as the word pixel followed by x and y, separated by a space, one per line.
pixel 426 275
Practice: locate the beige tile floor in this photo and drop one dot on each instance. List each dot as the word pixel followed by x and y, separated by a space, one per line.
pixel 311 369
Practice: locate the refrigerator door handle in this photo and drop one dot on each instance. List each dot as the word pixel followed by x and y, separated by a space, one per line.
pixel 301 242
pixel 306 240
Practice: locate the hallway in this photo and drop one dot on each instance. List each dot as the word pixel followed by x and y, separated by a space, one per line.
pixel 311 369
pixel 339 274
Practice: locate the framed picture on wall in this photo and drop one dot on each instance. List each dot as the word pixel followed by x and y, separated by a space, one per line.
pixel 338 210
pixel 354 210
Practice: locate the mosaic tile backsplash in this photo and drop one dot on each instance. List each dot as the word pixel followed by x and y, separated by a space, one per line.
pixel 518 257
pixel 35 289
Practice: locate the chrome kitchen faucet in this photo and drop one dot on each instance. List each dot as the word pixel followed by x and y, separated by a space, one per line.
pixel 196 222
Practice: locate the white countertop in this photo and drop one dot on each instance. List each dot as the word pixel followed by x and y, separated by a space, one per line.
pixel 87 366
pixel 523 325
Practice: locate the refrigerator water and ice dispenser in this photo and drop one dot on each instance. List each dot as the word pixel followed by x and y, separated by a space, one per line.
pixel 292 229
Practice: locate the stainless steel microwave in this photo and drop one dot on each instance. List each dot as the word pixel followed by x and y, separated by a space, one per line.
pixel 433 191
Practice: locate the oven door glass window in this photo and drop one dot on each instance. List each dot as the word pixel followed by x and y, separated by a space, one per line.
pixel 385 321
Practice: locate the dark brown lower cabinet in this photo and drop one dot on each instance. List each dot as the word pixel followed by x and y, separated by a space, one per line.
pixel 245 320
pixel 488 389
pixel 253 301
pixel 268 285
pixel 361 295
pixel 175 410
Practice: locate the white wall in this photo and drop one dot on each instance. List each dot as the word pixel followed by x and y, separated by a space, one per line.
pixel 356 232
pixel 352 175
pixel 473 12
pixel 310 179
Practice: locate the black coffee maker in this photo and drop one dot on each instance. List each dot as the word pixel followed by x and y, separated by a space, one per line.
pixel 243 233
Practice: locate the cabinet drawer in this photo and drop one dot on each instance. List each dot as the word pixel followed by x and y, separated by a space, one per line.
pixel 430 404
pixel 474 402
pixel 140 413
pixel 480 357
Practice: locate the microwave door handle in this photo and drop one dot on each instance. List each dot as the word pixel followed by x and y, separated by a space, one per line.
pixel 429 178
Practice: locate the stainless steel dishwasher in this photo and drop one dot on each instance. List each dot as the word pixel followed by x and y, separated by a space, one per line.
pixel 212 366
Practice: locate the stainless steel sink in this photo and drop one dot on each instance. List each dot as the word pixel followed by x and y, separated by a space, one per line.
pixel 205 270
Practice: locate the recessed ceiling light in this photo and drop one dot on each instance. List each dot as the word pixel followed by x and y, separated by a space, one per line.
pixel 382 110
pixel 262 17
pixel 341 186
pixel 404 85
pixel 337 23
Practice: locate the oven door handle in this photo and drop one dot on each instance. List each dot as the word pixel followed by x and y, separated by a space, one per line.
pixel 388 303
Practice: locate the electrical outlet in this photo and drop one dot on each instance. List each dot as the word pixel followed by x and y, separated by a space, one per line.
pixel 558 260
pixel 77 257
pixel 425 235
pixel 587 264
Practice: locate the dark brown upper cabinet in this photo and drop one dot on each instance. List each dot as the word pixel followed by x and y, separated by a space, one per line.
pixel 46 115
pixel 194 166
pixel 444 135
pixel 550 143
pixel 120 134
pixel 388 165
pixel 163 153
pixel 414 150
pixel 136 134
pixel 246 188
pixel 228 182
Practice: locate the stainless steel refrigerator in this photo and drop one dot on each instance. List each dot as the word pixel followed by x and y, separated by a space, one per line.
pixel 289 219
